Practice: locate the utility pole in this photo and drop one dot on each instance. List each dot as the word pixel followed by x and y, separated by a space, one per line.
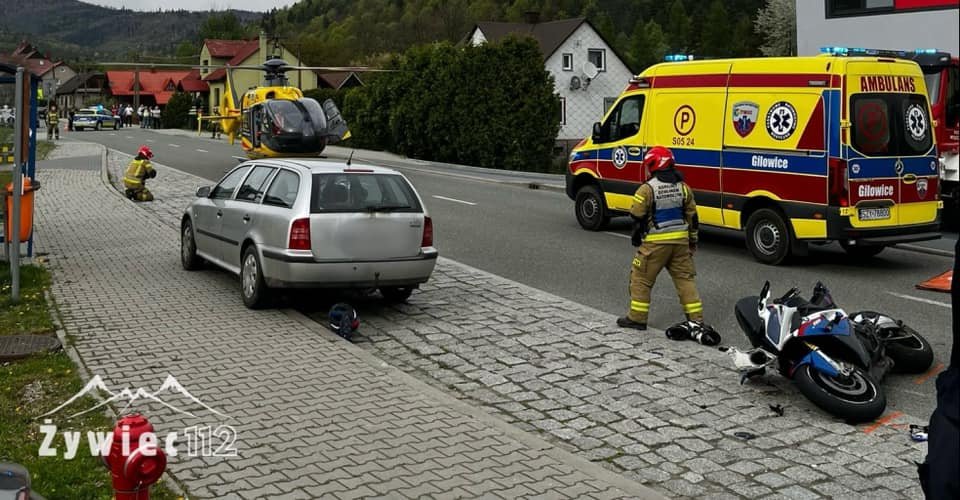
pixel 136 80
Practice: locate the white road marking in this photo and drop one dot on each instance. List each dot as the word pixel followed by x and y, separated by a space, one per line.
pixel 203 151
pixel 173 145
pixel 128 137
pixel 627 236
pixel 454 200
pixel 918 299
pixel 149 140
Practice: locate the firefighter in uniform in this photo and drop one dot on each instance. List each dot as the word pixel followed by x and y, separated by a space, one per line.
pixel 665 230
pixel 135 178
pixel 53 122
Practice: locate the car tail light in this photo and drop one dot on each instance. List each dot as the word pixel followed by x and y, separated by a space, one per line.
pixel 299 235
pixel 837 182
pixel 427 240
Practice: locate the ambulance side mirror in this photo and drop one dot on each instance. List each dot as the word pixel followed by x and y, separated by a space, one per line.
pixel 597 132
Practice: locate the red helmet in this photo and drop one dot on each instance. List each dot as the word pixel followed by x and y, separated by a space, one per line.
pixel 658 158
pixel 145 151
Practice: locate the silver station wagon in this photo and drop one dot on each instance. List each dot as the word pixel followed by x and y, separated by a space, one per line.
pixel 291 223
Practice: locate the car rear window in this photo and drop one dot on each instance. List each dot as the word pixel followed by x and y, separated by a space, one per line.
pixel 362 192
pixel 891 124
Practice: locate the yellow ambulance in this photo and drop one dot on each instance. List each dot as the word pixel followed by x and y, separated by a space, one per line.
pixel 792 150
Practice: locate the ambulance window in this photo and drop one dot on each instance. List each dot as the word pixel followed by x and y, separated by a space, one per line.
pixel 933 86
pixel 871 125
pixel 917 129
pixel 624 120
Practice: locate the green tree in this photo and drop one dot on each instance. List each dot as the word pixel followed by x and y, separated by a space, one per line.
pixel 648 45
pixel 186 49
pixel 176 114
pixel 679 28
pixel 777 24
pixel 223 26
pixel 716 33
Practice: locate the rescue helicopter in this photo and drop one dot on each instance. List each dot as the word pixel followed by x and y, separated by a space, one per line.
pixel 273 120
pixel 276 119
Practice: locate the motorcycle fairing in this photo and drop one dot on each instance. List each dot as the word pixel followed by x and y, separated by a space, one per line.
pixel 820 362
pixel 822 324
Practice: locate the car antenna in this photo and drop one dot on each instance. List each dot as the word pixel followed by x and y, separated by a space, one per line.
pixel 350 158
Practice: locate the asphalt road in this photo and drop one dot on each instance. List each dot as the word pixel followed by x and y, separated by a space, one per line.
pixel 531 236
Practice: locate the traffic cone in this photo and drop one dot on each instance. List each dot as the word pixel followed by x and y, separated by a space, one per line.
pixel 939 283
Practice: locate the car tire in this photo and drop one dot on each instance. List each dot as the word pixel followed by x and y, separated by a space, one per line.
pixel 862 251
pixel 97 126
pixel 253 289
pixel 591 209
pixel 768 237
pixel 116 125
pixel 188 248
pixel 396 294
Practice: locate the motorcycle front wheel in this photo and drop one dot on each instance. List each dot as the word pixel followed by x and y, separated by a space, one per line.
pixel 855 398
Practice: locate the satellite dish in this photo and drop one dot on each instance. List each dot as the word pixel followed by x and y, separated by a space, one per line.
pixel 574 82
pixel 590 71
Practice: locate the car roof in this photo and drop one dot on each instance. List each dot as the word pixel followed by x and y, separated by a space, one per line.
pixel 325 166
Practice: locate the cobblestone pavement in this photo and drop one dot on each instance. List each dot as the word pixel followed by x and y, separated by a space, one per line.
pixel 315 416
pixel 660 412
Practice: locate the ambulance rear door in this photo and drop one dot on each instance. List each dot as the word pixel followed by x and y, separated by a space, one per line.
pixel 891 156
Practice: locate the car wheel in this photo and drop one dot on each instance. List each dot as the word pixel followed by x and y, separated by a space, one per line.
pixel 253 290
pixel 591 208
pixel 862 251
pixel 395 294
pixel 97 126
pixel 116 125
pixel 188 248
pixel 768 237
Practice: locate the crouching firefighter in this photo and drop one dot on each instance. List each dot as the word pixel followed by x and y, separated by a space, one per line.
pixel 665 232
pixel 135 178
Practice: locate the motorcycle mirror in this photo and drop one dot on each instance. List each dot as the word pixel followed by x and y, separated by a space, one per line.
pixel 765 290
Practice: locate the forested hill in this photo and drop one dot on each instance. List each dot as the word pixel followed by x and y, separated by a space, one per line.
pixel 69 29
pixel 344 31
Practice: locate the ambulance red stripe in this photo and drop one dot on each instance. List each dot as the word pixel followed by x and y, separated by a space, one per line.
pixel 806 188
pixel 745 80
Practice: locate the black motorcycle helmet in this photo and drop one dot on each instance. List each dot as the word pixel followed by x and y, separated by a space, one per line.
pixel 343 320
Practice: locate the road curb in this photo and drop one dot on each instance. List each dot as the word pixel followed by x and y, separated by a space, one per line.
pixel 920 249
pixel 478 413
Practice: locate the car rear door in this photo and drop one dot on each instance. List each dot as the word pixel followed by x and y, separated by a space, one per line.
pixel 359 215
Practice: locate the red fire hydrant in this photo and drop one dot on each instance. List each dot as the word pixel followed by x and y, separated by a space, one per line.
pixel 134 467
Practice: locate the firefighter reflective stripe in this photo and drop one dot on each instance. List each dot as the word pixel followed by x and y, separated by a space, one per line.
pixel 639 306
pixel 672 235
pixel 693 308
pixel 638 198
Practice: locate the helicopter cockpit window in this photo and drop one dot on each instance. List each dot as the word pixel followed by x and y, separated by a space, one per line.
pixel 283 116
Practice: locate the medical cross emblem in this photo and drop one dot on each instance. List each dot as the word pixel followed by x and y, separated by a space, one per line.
pixel 781 120
pixel 916 123
pixel 620 157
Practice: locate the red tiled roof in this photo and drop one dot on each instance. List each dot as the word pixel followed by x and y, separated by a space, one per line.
pixel 225 49
pixel 251 47
pixel 151 83
pixel 38 67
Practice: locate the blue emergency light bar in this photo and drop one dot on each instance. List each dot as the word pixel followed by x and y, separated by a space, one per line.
pixel 677 57
pixel 853 51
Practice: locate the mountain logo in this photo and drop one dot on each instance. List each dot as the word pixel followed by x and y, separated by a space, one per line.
pixel 169 386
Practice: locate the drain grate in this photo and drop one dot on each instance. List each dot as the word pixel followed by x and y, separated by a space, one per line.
pixel 20 346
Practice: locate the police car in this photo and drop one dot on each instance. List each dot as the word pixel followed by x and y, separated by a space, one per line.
pixel 92 118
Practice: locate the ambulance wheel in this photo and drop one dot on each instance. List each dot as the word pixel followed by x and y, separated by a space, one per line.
pixel 862 250
pixel 768 237
pixel 591 208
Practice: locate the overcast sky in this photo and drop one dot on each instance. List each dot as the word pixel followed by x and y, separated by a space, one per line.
pixel 153 5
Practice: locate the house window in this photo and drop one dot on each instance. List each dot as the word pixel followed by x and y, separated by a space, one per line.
pixel 568 62
pixel 837 8
pixel 171 87
pixel 598 57
pixel 216 97
pixel 563 111
pixel 205 69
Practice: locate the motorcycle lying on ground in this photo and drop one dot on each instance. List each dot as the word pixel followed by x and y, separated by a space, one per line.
pixel 836 360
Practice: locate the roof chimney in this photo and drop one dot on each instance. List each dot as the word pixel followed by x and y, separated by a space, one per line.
pixel 531 17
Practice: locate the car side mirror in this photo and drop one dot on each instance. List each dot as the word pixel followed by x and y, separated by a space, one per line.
pixel 597 132
pixel 203 192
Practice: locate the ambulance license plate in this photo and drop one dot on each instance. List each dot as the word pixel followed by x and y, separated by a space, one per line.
pixel 874 213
